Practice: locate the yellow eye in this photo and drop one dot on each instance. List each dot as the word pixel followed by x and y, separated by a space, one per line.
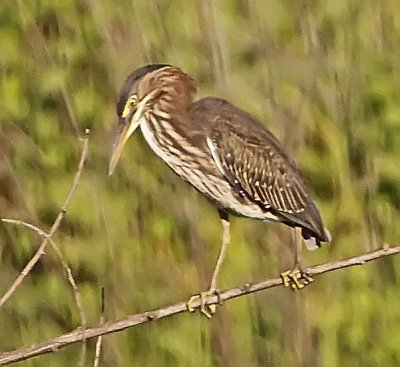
pixel 130 104
pixel 133 101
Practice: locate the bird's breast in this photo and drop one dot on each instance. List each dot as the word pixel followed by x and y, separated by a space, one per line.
pixel 196 166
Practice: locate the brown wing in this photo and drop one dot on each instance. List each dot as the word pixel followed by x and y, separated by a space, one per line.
pixel 259 171
pixel 256 166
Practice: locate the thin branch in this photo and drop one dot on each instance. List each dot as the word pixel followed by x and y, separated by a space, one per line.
pixel 40 251
pixel 55 344
pixel 68 272
pixel 100 338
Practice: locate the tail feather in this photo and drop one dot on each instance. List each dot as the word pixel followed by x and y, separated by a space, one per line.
pixel 312 241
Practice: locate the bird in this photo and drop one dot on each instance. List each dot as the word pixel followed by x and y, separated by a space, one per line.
pixel 224 153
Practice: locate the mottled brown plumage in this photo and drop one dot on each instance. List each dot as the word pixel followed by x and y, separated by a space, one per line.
pixel 224 152
pixel 257 168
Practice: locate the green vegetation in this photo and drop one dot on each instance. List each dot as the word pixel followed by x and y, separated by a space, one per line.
pixel 323 76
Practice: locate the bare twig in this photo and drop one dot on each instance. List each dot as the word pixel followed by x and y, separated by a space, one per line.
pixel 55 344
pixel 100 338
pixel 35 258
pixel 68 272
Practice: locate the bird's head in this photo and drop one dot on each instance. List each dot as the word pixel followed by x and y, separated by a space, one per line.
pixel 140 93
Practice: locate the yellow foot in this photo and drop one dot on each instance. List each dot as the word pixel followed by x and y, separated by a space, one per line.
pixel 296 278
pixel 206 309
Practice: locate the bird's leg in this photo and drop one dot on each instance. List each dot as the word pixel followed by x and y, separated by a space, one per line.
pixel 298 247
pixel 296 277
pixel 226 238
pixel 209 310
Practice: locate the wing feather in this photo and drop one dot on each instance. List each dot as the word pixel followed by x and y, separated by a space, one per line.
pixel 254 163
pixel 259 172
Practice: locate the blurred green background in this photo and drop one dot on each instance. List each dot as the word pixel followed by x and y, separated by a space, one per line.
pixel 322 75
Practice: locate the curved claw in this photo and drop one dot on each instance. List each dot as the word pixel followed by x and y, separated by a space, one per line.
pixel 296 278
pixel 206 309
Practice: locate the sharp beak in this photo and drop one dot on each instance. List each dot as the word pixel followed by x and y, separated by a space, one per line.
pixel 126 128
pixel 127 125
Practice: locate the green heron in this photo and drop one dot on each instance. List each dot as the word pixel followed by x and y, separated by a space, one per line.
pixel 224 152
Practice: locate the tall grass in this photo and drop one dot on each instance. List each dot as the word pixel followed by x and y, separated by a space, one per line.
pixel 323 76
